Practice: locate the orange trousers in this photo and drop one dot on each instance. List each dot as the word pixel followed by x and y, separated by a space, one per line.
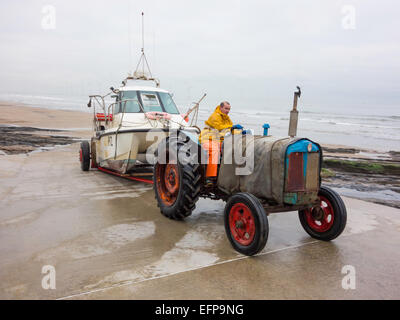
pixel 213 149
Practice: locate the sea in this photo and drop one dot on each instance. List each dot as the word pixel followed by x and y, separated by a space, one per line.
pixel 365 128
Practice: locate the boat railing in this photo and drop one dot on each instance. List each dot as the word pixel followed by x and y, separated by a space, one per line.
pixel 97 101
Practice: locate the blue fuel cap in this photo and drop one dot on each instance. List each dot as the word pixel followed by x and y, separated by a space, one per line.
pixel 266 127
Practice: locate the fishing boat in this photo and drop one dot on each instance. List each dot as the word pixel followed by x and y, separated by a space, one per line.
pixel 127 129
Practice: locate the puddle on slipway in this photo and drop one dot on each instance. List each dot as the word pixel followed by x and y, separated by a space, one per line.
pixel 25 218
pixel 196 249
pixel 122 234
pixel 195 240
pixel 358 222
pixel 38 191
pixel 100 242
pixel 179 259
pixel 190 252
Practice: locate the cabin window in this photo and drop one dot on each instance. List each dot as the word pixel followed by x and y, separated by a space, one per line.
pixel 150 101
pixel 168 103
pixel 129 102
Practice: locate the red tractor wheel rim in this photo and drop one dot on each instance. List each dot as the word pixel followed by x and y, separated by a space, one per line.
pixel 241 223
pixel 80 155
pixel 171 178
pixel 320 218
pixel 167 177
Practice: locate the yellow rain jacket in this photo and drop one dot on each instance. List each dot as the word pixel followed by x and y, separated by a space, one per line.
pixel 217 125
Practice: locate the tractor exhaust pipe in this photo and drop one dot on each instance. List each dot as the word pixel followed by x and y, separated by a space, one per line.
pixel 294 114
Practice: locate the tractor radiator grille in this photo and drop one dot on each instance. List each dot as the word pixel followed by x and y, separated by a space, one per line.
pixel 302 172
pixel 295 173
pixel 312 176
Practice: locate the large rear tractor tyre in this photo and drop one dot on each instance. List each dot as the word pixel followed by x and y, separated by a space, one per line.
pixel 84 155
pixel 327 220
pixel 176 184
pixel 246 223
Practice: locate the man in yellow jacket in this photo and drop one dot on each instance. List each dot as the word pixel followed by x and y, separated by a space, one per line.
pixel 217 126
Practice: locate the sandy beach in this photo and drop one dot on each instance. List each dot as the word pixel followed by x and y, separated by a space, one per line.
pixel 23 115
pixel 107 239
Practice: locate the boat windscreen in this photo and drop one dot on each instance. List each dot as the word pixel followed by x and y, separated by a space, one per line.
pixel 150 101
pixel 131 103
pixel 168 103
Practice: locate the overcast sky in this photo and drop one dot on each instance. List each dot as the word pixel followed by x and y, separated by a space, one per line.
pixel 251 53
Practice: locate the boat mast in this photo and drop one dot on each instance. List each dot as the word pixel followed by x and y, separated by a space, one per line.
pixel 141 75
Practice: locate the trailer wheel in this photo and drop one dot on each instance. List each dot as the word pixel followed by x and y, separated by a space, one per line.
pixel 176 184
pixel 246 223
pixel 84 155
pixel 93 154
pixel 328 220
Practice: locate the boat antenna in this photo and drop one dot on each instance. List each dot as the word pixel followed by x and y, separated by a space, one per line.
pixel 141 75
pixel 143 32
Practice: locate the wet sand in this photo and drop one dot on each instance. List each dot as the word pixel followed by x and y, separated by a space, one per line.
pixel 106 239
pixel 23 115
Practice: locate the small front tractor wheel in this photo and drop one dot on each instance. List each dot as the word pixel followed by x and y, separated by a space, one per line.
pixel 84 155
pixel 246 223
pixel 327 220
pixel 176 185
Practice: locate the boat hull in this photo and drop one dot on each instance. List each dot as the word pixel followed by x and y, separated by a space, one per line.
pixel 122 151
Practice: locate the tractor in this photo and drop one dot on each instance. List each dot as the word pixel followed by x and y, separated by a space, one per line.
pixel 257 175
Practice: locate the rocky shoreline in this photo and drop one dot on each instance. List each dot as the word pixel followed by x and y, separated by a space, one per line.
pixel 15 140
pixel 363 174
